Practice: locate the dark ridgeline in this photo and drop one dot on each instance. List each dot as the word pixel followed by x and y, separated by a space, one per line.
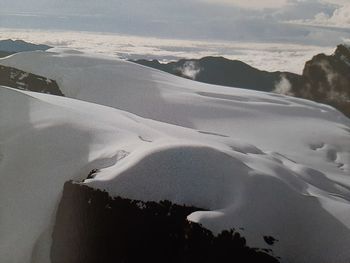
pixel 9 46
pixel 92 227
pixel 220 71
pixel 19 79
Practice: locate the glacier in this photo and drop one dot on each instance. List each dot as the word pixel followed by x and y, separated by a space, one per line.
pixel 270 164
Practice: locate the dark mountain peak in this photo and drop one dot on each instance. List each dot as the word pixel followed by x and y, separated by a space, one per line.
pixel 324 65
pixel 219 60
pixel 326 79
pixel 215 58
pixel 11 41
pixel 342 52
pixel 14 46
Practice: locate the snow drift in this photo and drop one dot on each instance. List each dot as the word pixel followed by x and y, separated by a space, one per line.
pixel 269 164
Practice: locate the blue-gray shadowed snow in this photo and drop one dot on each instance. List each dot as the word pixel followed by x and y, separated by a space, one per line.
pixel 325 79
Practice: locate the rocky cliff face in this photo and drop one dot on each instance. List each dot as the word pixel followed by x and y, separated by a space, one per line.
pixel 325 79
pixel 18 79
pixel 92 227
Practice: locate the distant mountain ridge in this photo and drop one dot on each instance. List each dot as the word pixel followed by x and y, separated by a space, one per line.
pixel 325 79
pixel 9 46
pixel 221 71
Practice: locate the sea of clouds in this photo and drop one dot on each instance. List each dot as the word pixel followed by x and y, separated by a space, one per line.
pixel 265 56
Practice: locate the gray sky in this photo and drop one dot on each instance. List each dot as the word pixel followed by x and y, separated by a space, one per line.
pixel 314 22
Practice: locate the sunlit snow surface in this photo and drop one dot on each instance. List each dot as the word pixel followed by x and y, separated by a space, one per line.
pixel 269 164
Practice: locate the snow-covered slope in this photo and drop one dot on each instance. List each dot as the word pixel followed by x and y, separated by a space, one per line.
pixel 273 165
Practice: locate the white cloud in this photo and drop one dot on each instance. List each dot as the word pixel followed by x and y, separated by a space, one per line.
pixel 266 56
pixel 252 4
pixel 229 20
pixel 339 18
pixel 339 2
pixel 190 70
pixel 284 87
pixel 274 4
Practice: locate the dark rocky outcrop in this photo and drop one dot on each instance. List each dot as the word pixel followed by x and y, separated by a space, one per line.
pixel 220 71
pixel 18 79
pixel 92 227
pixel 326 79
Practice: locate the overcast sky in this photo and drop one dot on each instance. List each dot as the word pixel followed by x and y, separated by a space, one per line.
pixel 316 22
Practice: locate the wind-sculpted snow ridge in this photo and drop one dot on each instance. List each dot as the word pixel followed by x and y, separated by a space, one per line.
pixel 270 165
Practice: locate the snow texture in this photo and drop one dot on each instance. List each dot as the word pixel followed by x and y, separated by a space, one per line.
pixel 267 164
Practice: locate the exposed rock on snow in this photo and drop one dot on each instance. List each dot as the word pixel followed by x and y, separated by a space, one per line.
pixel 93 227
pixel 18 79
